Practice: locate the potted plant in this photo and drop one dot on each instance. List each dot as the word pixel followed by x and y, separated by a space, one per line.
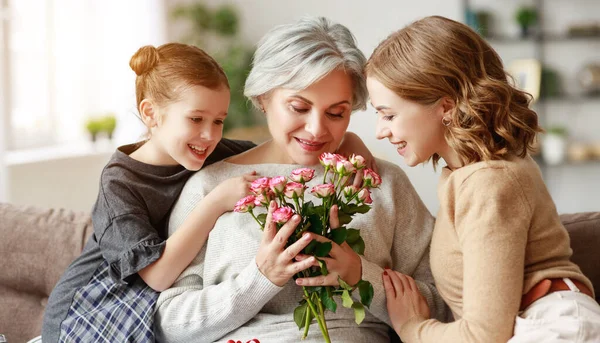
pixel 93 127
pixel 108 124
pixel 526 17
pixel 554 145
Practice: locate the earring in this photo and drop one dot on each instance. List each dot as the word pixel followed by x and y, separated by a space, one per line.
pixel 446 121
pixel 262 109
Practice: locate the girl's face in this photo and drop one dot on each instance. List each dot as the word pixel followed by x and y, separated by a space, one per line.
pixel 416 130
pixel 306 123
pixel 189 129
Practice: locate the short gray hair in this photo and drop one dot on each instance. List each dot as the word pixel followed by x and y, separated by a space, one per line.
pixel 297 55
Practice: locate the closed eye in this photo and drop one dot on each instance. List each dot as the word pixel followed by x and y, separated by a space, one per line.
pixel 299 110
pixel 388 117
pixel 336 115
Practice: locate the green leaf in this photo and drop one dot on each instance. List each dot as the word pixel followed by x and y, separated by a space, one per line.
pixel 323 249
pixel 315 224
pixel 358 246
pixel 323 266
pixel 366 292
pixel 338 235
pixel 344 218
pixel 327 299
pixel 343 284
pixel 359 312
pixel 347 299
pixel 262 217
pixel 362 209
pixel 352 235
pixel 300 315
pixel 310 248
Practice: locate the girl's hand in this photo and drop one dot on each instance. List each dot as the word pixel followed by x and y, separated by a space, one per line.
pixel 352 144
pixel 344 262
pixel 275 261
pixel 404 301
pixel 228 192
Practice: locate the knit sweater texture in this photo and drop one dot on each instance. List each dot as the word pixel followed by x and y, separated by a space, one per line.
pixel 497 234
pixel 222 295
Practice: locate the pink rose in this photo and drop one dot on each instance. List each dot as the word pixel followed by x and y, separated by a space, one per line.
pixel 344 167
pixel 277 184
pixel 365 196
pixel 323 190
pixel 245 204
pixel 371 178
pixel 302 175
pixel 260 186
pixel 282 215
pixel 349 191
pixel 358 161
pixel 328 160
pixel 294 188
pixel 260 200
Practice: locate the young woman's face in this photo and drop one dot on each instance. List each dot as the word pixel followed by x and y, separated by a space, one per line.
pixel 416 130
pixel 191 127
pixel 306 123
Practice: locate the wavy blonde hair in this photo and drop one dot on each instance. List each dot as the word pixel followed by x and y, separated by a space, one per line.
pixel 436 57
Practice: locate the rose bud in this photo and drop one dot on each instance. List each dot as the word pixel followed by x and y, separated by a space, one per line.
pixel 365 196
pixel 294 188
pixel 302 175
pixel 358 161
pixel 282 215
pixel 260 186
pixel 328 160
pixel 245 204
pixel 277 184
pixel 371 178
pixel 349 191
pixel 344 167
pixel 324 190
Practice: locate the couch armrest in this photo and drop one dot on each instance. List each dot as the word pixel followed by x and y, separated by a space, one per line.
pixel 584 231
pixel 36 246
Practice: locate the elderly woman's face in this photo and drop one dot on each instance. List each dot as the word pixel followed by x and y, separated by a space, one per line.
pixel 306 123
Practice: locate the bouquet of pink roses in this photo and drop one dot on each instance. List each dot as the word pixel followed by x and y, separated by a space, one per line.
pixel 289 195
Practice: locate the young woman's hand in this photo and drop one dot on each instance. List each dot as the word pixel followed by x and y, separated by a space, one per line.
pixel 274 260
pixel 344 262
pixel 352 144
pixel 228 192
pixel 404 301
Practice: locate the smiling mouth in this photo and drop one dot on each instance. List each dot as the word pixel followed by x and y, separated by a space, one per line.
pixel 401 145
pixel 310 145
pixel 197 149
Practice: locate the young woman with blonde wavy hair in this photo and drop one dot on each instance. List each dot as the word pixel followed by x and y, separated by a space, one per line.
pixel 499 253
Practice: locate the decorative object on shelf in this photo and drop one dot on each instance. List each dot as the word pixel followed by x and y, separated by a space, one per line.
pixel 93 127
pixel 479 21
pixel 526 17
pixel 554 145
pixel 579 152
pixel 550 84
pixel 216 31
pixel 589 78
pixel 102 124
pixel 591 29
pixel 108 124
pixel 527 74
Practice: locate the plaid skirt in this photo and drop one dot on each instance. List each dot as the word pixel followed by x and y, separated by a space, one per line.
pixel 105 311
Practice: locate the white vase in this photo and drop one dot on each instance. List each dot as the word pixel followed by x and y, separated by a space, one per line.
pixel 554 148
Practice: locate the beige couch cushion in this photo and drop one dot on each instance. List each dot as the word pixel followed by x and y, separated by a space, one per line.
pixel 36 246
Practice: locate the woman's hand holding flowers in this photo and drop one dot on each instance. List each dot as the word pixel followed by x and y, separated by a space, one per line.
pixel 343 261
pixel 274 260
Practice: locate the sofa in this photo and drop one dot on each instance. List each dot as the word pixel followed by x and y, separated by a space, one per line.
pixel 37 245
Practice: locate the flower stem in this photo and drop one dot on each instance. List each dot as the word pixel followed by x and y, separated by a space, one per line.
pixel 317 316
pixel 258 221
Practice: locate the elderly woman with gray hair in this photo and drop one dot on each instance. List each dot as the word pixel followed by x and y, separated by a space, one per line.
pixel 307 78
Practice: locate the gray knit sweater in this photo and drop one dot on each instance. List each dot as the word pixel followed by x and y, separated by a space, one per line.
pixel 222 295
